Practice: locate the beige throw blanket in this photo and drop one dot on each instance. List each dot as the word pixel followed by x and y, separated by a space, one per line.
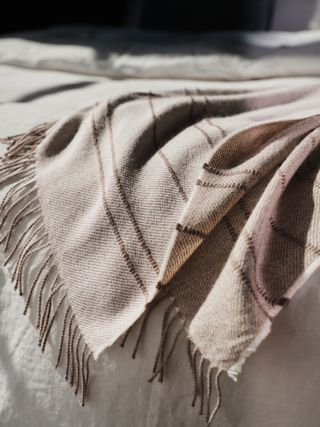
pixel 210 199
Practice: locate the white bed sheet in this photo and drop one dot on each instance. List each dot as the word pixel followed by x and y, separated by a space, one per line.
pixel 280 383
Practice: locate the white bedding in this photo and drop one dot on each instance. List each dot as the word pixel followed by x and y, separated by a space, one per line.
pixel 280 383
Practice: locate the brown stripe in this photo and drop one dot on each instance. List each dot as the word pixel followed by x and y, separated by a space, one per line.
pixel 245 279
pixel 222 172
pixel 223 133
pixel 125 202
pixel 259 287
pixel 230 228
pixel 205 134
pixel 191 108
pixel 154 124
pixel 282 178
pixel 219 128
pixel 234 237
pixel 164 158
pixel 205 106
pixel 110 217
pixel 294 239
pixel 191 120
pixel 250 243
pixel 173 176
pixel 189 230
pixel 244 209
pixel 207 184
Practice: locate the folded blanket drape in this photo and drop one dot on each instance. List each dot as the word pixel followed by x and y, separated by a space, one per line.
pixel 209 198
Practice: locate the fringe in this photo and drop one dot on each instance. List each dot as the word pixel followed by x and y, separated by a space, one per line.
pixel 45 293
pixel 201 370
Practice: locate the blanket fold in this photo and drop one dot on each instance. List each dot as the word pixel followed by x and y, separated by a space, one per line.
pixel 206 198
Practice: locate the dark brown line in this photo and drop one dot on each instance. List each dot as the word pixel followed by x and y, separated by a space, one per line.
pixel 260 289
pixel 164 158
pixel 222 172
pixel 201 95
pixel 223 133
pixel 205 134
pixel 125 202
pixel 154 124
pixel 282 178
pixel 234 237
pixel 110 217
pixel 191 119
pixel 294 239
pixel 244 209
pixel 250 243
pixel 173 176
pixel 189 230
pixel 244 278
pixel 191 107
pixel 191 110
pixel 230 228
pixel 206 112
pixel 207 184
pixel 220 129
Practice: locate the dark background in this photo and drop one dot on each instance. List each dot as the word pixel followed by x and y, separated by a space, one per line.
pixel 177 15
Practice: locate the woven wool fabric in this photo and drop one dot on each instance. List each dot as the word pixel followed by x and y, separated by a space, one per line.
pixel 208 198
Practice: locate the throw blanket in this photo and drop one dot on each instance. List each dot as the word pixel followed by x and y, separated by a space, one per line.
pixel 209 199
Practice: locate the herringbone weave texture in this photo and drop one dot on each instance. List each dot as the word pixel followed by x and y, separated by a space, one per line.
pixel 209 197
